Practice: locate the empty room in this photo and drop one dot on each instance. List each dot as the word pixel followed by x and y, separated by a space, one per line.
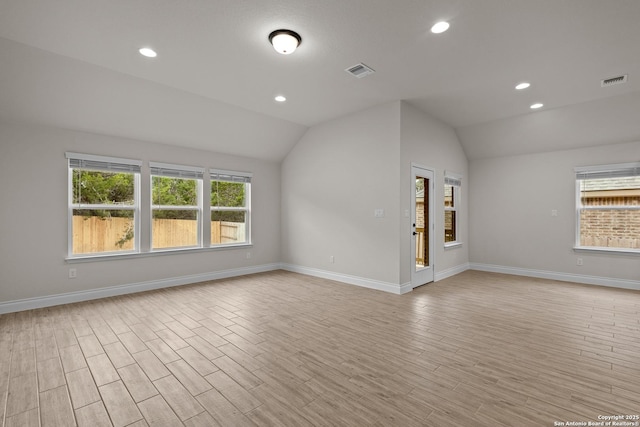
pixel 319 213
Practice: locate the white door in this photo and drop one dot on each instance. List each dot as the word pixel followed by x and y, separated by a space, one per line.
pixel 422 220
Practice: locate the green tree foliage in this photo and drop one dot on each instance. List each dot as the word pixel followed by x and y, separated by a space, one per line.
pixel 174 192
pixel 227 194
pixel 230 195
pixel 103 188
pixel 107 188
pixel 228 216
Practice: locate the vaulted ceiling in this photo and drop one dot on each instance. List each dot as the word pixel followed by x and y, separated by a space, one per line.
pixel 75 64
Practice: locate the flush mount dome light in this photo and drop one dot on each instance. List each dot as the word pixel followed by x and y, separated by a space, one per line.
pixel 536 105
pixel 285 41
pixel 148 52
pixel 523 85
pixel 440 27
pixel 280 98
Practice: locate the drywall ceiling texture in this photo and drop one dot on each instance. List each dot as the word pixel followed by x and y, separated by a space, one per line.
pixel 44 88
pixel 603 122
pixel 75 65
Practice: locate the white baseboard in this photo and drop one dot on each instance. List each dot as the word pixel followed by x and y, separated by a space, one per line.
pixel 441 275
pixel 393 288
pixel 71 297
pixel 405 287
pixel 398 289
pixel 554 275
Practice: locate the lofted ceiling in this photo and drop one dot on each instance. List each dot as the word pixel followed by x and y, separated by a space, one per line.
pixel 75 64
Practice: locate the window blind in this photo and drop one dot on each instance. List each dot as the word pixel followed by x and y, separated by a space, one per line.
pixel 230 176
pixel 176 171
pixel 452 181
pixel 100 163
pixel 451 178
pixel 608 171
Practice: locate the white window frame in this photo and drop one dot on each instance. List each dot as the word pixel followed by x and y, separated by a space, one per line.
pixel 602 171
pixel 143 239
pixel 233 176
pixel 183 172
pixel 91 162
pixel 454 180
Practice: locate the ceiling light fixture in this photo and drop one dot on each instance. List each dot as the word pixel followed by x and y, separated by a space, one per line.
pixel 522 85
pixel 440 27
pixel 285 41
pixel 280 98
pixel 148 52
pixel 537 105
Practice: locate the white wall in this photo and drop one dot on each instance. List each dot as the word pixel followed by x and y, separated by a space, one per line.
pixel 33 214
pixel 511 224
pixel 431 143
pixel 332 181
pixel 342 170
pixel 318 203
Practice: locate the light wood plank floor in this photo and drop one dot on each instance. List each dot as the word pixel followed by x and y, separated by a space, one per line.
pixel 477 349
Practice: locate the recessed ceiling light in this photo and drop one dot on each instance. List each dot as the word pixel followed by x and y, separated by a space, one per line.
pixel 285 41
pixel 280 98
pixel 522 85
pixel 536 105
pixel 148 52
pixel 440 27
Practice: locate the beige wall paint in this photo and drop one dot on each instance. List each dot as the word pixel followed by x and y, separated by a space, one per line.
pixel 433 144
pixel 332 181
pixel 322 197
pixel 342 170
pixel 33 208
pixel 511 202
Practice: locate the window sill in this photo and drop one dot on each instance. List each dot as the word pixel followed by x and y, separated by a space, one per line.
pixel 452 245
pixel 613 251
pixel 157 252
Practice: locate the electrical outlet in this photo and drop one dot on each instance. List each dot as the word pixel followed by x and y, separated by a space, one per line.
pixel 248 255
pixel 554 212
pixel 378 213
pixel 579 261
pixel 73 273
pixel 332 259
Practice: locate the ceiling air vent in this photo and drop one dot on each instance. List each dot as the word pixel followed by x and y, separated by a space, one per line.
pixel 360 70
pixel 614 81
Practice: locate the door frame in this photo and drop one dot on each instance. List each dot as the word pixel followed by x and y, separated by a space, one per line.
pixel 426 274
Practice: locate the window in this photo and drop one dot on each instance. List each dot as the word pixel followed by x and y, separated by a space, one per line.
pixel 452 184
pixel 608 207
pixel 176 206
pixel 104 207
pixel 230 207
